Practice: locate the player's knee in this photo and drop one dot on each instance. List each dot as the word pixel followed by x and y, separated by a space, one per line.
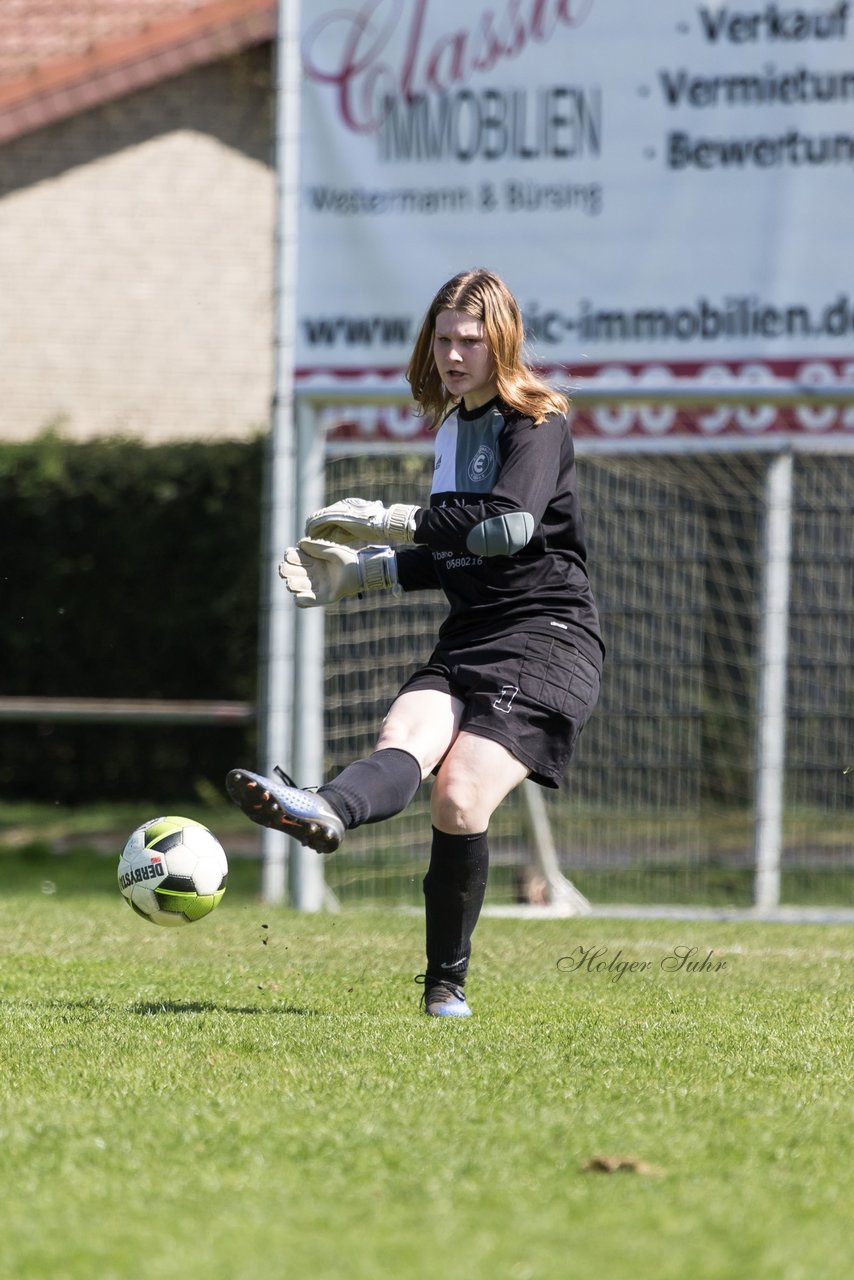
pixel 456 805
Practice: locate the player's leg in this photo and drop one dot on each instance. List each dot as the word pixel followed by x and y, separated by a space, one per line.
pixel 475 776
pixel 530 699
pixel 414 737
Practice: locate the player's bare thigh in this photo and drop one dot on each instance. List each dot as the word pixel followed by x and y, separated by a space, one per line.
pixel 424 722
pixel 475 776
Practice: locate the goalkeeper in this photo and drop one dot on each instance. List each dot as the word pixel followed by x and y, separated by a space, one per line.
pixel 515 673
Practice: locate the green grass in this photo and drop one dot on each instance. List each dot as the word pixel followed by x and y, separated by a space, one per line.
pixel 257 1095
pixel 678 859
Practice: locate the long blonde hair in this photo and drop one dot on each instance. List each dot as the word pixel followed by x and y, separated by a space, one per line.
pixel 484 295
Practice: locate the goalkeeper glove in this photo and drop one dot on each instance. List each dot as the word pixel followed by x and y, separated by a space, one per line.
pixel 322 572
pixel 360 520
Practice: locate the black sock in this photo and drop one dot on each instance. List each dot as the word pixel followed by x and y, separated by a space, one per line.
pixel 372 789
pixel 454 889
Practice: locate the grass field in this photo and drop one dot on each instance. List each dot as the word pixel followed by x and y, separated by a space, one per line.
pixel 817 867
pixel 258 1095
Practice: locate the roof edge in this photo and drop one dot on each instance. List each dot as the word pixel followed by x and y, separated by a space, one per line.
pixel 113 68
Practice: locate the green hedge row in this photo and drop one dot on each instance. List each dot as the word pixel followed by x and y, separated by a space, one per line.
pixel 126 571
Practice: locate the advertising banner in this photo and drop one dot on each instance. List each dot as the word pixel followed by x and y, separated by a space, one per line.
pixel 668 190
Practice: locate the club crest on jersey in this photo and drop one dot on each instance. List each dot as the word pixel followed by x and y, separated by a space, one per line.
pixel 482 464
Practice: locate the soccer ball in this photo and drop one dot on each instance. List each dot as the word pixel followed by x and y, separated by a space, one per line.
pixel 172 871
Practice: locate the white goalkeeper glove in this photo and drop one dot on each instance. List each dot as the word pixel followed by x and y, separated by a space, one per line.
pixel 360 520
pixel 322 572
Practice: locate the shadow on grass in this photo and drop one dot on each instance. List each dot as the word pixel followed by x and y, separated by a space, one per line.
pixel 155 1008
pixel 152 1008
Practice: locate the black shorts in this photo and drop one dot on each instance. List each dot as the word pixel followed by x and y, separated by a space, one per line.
pixel 531 691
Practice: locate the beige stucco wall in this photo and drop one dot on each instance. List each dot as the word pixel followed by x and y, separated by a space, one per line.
pixel 136 259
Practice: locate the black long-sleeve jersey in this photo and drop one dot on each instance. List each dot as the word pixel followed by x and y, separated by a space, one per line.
pixel 494 462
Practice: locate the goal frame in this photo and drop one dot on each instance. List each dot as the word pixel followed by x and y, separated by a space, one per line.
pixel 292 654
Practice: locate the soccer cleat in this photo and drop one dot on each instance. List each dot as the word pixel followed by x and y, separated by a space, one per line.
pixel 286 808
pixel 443 999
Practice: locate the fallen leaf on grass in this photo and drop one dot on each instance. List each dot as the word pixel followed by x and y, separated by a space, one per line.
pixel 621 1164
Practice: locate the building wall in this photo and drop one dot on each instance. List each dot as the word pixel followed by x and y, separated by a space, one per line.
pixel 136 263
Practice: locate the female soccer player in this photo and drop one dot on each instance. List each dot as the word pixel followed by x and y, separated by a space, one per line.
pixel 515 673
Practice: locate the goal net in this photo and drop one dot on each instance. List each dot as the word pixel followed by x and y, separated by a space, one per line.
pixel 658 804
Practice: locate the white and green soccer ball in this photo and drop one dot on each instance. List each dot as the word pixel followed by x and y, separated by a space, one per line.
pixel 173 871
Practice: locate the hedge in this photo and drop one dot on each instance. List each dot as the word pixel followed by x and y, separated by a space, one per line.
pixel 127 571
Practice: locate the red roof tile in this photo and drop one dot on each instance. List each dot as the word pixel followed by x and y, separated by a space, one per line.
pixel 60 57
